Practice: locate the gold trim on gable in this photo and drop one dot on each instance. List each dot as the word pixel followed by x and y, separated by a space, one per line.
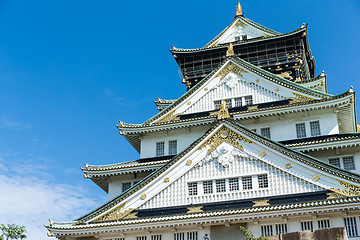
pixel 231 67
pixel 350 190
pixel 224 135
pixel 195 209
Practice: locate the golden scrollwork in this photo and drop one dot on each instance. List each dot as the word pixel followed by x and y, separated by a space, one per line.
pixel 262 153
pixel 288 166
pixel 261 203
pixel 358 128
pixel 166 180
pixel 301 98
pixel 350 190
pixel 195 209
pixel 224 135
pixel 169 117
pixel 117 213
pixel 239 23
pixel 223 112
pixel 231 67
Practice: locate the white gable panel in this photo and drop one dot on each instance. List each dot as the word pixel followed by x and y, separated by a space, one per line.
pixel 227 162
pixel 234 87
pixel 238 29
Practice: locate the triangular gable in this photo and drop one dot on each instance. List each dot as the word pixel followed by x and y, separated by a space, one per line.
pixel 238 28
pixel 232 79
pixel 318 83
pixel 314 173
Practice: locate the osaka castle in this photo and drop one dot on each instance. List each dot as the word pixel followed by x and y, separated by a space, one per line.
pixel 256 141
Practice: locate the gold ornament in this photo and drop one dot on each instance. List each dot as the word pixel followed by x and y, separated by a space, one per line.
pixel 288 166
pixel 143 196
pixel 224 135
pixel 195 209
pixel 223 112
pixel 188 162
pixel 166 180
pixel 316 178
pixel 262 154
pixel 261 203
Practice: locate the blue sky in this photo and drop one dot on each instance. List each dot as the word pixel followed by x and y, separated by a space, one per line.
pixel 69 70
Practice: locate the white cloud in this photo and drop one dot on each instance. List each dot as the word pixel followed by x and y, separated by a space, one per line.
pixel 7 122
pixel 30 201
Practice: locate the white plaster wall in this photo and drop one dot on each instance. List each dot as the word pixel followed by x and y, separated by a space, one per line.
pixel 285 129
pixel 280 183
pixel 184 138
pixel 115 183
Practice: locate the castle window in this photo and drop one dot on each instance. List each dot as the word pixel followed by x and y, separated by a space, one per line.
pixel 263 181
pixel 228 103
pixel 315 128
pixel 248 100
pixel 156 237
pixel 192 187
pixel 208 187
pixel 266 230
pixel 335 162
pixel 125 186
pixel 141 238
pixel 192 236
pixel 346 163
pixel 307 225
pixel 244 37
pixel 173 147
pixel 281 228
pixel 349 163
pixel 160 147
pixel 237 38
pixel 217 104
pixel 300 130
pixel 247 183
pixel 265 132
pixel 179 236
pixel 350 225
pixel 220 185
pixel 234 184
pixel 323 223
pixel 238 102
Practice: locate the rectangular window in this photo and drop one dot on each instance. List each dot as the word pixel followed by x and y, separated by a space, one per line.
pixel 350 225
pixel 160 147
pixel 280 228
pixel 265 132
pixel 179 236
pixel 300 130
pixel 125 186
pixel 263 181
pixel 172 147
pixel 208 187
pixel 247 182
pixel 234 184
pixel 323 223
pixel 237 38
pixel 248 100
pixel 217 104
pixel 308 225
pixel 244 37
pixel 156 237
pixel 193 189
pixel 315 128
pixel 349 163
pixel 228 103
pixel 266 230
pixel 335 161
pixel 220 185
pixel 141 238
pixel 238 102
pixel 192 236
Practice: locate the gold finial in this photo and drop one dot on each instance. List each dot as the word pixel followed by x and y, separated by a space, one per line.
pixel 230 51
pixel 239 10
pixel 223 112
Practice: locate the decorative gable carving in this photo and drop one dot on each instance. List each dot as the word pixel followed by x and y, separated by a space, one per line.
pixel 117 213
